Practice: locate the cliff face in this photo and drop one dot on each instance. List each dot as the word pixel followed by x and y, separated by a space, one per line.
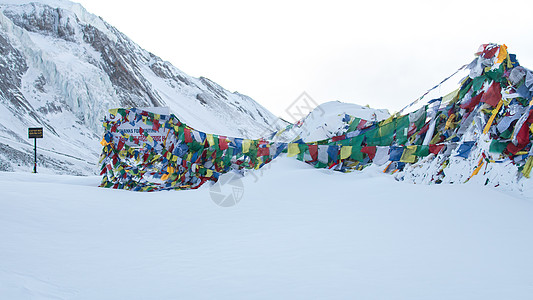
pixel 62 68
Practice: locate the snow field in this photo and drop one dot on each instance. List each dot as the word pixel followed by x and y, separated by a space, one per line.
pixel 297 233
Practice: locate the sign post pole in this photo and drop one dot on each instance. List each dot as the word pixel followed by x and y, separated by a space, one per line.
pixel 35 133
pixel 35 155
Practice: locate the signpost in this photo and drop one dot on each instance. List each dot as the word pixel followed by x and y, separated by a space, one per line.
pixel 35 133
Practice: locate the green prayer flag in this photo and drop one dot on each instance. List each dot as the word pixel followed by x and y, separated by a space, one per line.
pixel 422 150
pixel 497 146
pixel 478 83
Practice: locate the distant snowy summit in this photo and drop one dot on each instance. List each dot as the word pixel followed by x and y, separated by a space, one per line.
pixel 328 120
pixel 62 68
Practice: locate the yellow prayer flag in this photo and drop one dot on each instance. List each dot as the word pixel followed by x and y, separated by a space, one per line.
pixel 476 170
pixel 346 151
pixel 246 146
pixel 209 173
pixel 449 122
pixel 502 54
pixel 280 132
pixel 450 97
pixel 435 139
pixel 408 155
pixel 293 149
pixel 210 140
pixel 509 62
pixel 491 119
pixel 527 167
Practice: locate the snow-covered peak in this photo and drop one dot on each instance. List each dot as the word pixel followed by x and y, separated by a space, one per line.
pixel 328 120
pixel 336 108
pixel 68 6
pixel 62 68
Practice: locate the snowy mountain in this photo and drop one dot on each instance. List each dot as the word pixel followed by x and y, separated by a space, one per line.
pixel 328 120
pixel 62 68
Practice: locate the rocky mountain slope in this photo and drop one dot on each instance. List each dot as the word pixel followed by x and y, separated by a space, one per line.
pixel 62 68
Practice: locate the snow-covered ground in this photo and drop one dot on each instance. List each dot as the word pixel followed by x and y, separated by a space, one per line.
pixel 297 233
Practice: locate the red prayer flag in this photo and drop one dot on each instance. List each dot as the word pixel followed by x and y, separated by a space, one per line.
pixel 338 138
pixel 313 151
pixel 222 143
pixel 424 129
pixel 489 53
pixel 188 138
pixel 435 149
pixel 473 102
pixel 522 137
pixel 412 129
pixel 120 144
pixel 156 125
pixel 370 150
pixel 263 151
pixel 493 94
pixel 362 124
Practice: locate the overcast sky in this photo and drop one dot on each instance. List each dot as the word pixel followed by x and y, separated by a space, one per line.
pixel 382 53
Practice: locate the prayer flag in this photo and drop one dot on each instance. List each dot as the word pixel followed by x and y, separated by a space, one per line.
pixel 408 155
pixel 246 145
pixel 346 151
pixel 293 149
pixel 370 150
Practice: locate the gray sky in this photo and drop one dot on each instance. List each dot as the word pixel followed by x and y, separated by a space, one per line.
pixel 382 53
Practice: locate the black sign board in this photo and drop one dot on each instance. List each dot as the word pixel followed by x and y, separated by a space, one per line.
pixel 35 133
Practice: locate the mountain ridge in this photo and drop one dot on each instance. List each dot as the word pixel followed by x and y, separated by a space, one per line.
pixel 63 68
